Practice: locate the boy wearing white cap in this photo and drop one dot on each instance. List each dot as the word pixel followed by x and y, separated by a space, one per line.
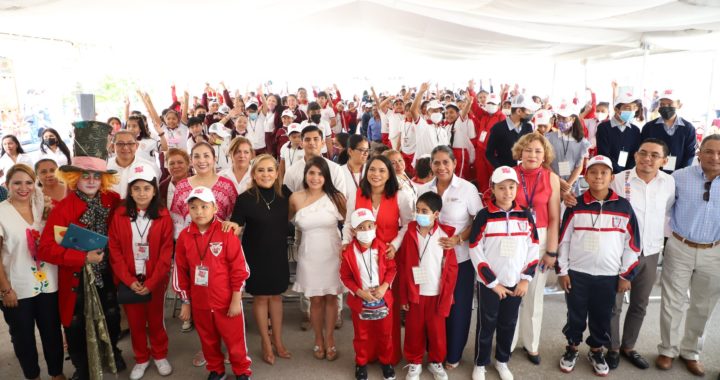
pixel 428 133
pixel 367 274
pixel 291 151
pixel 209 275
pixel 618 138
pixel 220 141
pixel 591 275
pixel 504 251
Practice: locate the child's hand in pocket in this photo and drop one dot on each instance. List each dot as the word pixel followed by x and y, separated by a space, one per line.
pixel 185 313
pixel 521 288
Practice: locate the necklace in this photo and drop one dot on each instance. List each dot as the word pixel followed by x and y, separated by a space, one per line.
pixel 267 204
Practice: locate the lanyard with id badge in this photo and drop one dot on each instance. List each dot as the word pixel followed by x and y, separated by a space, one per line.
pixel 202 273
pixel 141 250
pixel 375 310
pixel 508 244
pixel 529 198
pixel 420 275
pixel 564 165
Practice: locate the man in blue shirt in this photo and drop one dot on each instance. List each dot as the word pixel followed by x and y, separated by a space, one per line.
pixel 678 133
pixel 692 260
pixel 374 130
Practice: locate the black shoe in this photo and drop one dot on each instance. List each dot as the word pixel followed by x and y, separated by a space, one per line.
pixel 361 372
pixel 388 371
pixel 216 376
pixel 534 359
pixel 242 377
pixel 636 359
pixel 613 359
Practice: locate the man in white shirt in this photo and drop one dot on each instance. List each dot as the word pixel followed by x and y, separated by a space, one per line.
pixel 651 193
pixel 315 114
pixel 125 146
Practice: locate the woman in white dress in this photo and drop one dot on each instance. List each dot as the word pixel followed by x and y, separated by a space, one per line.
pixel 316 211
pixel 241 154
pixel 11 153
pixel 54 148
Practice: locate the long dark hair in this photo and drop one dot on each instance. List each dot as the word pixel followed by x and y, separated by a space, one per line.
pixel 144 132
pixel 328 187
pixel 577 129
pixel 19 148
pixel 391 186
pixel 153 210
pixel 60 143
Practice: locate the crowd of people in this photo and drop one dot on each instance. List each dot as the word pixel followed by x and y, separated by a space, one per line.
pixel 405 208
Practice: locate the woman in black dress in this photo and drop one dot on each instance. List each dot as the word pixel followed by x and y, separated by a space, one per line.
pixel 263 212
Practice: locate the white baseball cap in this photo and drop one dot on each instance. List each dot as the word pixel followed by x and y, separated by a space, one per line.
pixel 361 215
pixel 434 104
pixel 625 98
pixel 522 101
pixel 504 173
pixel 493 98
pixel 141 171
pixel 202 193
pixel 293 128
pixel 224 109
pixel 218 129
pixel 452 104
pixel 251 102
pixel 289 113
pixel 542 117
pixel 668 94
pixel 600 160
pixel 566 109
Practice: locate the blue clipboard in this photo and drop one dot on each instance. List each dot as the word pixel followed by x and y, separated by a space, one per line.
pixel 83 239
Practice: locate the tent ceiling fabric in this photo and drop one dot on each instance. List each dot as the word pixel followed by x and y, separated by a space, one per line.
pixel 448 29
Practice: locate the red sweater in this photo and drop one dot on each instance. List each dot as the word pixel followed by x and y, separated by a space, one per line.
pixel 70 262
pixel 410 257
pixel 350 273
pixel 222 254
pixel 122 258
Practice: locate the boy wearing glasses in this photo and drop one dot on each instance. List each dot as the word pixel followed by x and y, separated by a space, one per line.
pixel 692 259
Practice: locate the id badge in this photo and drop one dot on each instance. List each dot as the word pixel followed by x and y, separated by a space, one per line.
pixel 564 169
pixel 483 135
pixel 142 251
pixel 622 158
pixel 534 215
pixel 591 242
pixel 173 141
pixel 419 275
pixel 508 247
pixel 672 161
pixel 201 275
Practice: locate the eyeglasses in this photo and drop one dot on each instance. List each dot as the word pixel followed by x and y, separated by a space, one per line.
pixel 93 175
pixel 653 156
pixel 706 195
pixel 363 151
pixel 125 145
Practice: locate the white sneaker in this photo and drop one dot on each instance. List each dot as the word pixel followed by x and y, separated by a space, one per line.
pixel 187 326
pixel 163 366
pixel 437 371
pixel 504 371
pixel 139 371
pixel 414 371
pixel 478 373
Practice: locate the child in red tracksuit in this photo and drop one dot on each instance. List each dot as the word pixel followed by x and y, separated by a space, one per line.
pixel 367 274
pixel 427 282
pixel 210 273
pixel 141 247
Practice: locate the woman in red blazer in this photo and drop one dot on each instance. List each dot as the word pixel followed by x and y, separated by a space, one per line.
pixel 141 246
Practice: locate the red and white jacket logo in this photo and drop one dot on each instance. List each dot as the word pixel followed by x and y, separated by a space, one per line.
pixel 216 248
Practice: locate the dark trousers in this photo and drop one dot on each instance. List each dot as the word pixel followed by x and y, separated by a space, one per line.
pixel 495 315
pixel 457 325
pixel 41 310
pixel 590 304
pixel 75 333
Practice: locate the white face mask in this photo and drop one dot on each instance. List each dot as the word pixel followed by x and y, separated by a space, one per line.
pixel 365 237
pixel 507 111
pixel 602 116
pixel 436 117
pixel 491 108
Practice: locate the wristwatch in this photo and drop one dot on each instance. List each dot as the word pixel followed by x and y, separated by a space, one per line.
pixel 552 254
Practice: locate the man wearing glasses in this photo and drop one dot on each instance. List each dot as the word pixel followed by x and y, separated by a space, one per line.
pixel 692 260
pixel 651 193
pixel 125 146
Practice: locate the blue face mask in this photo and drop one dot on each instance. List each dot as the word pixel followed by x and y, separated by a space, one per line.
pixel 253 116
pixel 423 220
pixel 626 115
pixel 564 126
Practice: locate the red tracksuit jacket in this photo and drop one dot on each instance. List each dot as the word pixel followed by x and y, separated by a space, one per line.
pixel 410 254
pixel 122 258
pixel 222 254
pixel 350 273
pixel 70 262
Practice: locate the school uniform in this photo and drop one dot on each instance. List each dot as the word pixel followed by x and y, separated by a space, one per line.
pixel 462 132
pixel 362 268
pixel 209 267
pixel 408 142
pixel 504 251
pixel 594 269
pixel 431 300
pixel 143 247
